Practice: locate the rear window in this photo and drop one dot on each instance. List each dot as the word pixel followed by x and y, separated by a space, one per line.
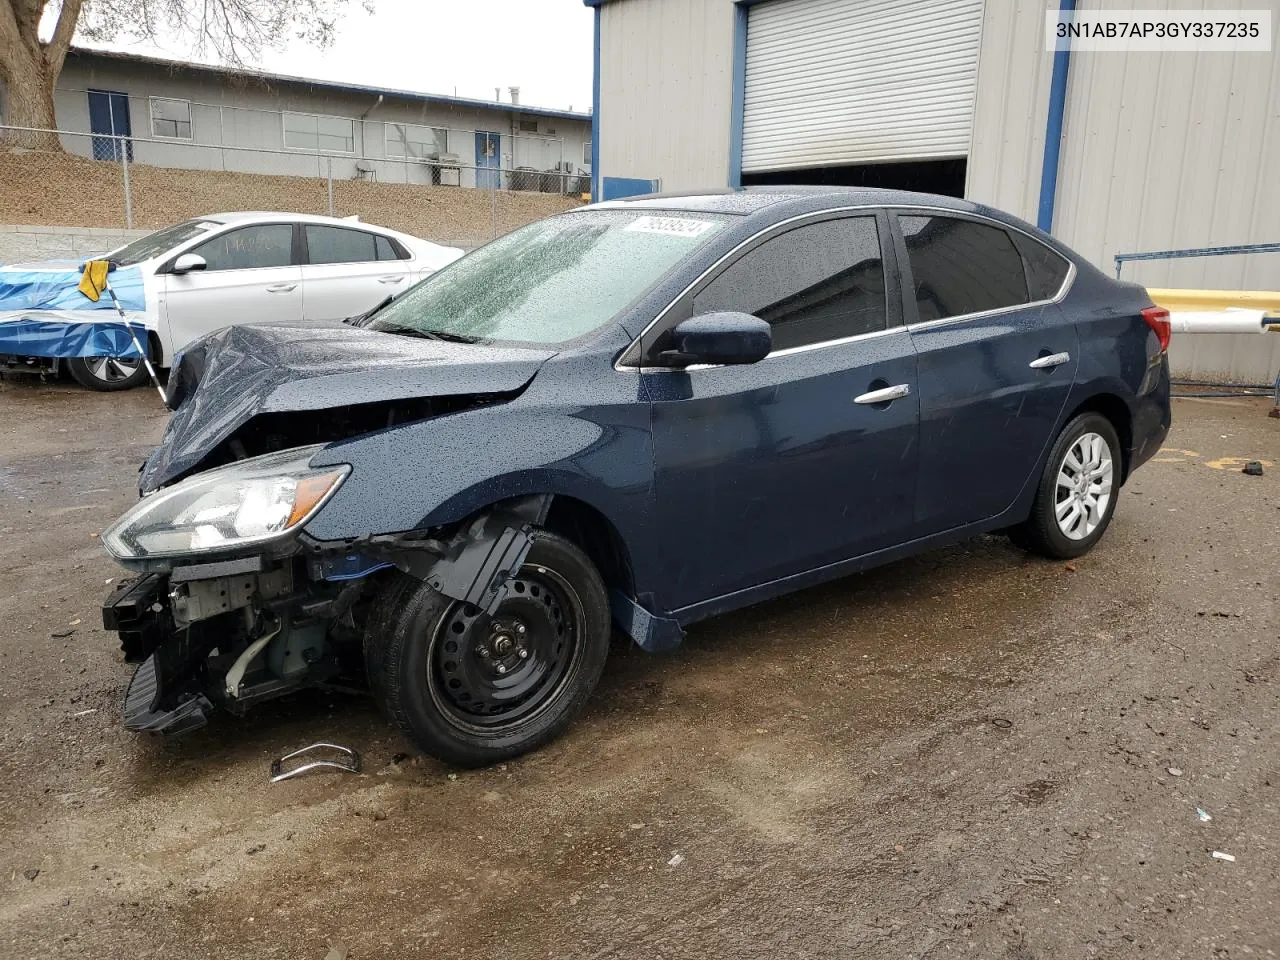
pixel 339 245
pixel 960 267
pixel 1045 269
pixel 386 250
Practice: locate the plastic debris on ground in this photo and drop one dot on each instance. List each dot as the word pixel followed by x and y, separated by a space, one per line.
pixel 676 860
pixel 1253 468
pixel 1219 855
pixel 1204 815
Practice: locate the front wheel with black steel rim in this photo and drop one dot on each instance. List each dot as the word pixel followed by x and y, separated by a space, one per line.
pixel 474 689
pixel 1076 497
pixel 108 373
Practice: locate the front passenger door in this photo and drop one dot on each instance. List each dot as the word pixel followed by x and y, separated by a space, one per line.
pixel 776 468
pixel 250 276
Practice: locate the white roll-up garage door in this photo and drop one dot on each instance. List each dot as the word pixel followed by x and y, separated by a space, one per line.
pixel 834 82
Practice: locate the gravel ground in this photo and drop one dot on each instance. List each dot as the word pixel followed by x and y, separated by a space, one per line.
pixel 969 752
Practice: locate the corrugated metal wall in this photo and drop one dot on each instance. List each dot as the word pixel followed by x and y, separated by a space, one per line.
pixel 830 82
pixel 666 81
pixel 1160 151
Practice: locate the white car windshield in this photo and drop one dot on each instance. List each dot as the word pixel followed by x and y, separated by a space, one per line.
pixel 161 242
pixel 552 281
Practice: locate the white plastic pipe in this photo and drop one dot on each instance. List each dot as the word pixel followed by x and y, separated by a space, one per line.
pixel 1230 320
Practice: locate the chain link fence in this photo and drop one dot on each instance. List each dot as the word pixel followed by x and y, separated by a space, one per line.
pixel 75 179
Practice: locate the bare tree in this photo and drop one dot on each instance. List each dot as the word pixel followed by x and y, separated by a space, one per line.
pixel 235 31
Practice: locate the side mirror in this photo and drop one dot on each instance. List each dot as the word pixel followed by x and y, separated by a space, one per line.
pixel 720 338
pixel 188 262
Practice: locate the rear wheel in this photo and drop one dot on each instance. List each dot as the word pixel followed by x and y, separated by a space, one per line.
pixel 1076 497
pixel 108 373
pixel 474 689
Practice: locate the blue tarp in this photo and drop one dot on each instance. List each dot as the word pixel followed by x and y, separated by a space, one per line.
pixel 57 289
pixel 60 338
pixel 43 313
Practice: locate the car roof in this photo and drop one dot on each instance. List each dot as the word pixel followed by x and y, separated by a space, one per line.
pixel 754 199
pixel 253 216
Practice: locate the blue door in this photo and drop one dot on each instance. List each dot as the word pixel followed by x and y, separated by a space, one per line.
pixel 109 114
pixel 488 160
pixel 997 361
pixel 784 466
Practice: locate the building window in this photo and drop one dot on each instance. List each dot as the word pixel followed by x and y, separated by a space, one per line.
pixel 171 118
pixel 586 153
pixel 305 131
pixel 416 142
pixel 528 126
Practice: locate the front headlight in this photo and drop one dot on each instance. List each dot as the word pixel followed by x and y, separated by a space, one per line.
pixel 250 502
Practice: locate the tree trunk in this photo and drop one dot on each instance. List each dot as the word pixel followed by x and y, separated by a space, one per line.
pixel 28 101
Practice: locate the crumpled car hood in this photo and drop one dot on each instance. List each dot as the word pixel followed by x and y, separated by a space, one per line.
pixel 229 377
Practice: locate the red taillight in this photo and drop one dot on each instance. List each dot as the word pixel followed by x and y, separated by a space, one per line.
pixel 1158 320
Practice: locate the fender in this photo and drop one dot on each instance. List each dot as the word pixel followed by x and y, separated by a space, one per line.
pixel 603 457
pixel 479 562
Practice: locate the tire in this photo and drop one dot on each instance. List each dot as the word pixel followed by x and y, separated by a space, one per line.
pixel 1085 518
pixel 467 688
pixel 108 374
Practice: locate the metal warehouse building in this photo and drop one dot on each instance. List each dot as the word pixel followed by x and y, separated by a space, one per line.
pixel 1112 152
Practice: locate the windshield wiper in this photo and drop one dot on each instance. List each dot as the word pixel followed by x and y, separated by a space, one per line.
pixel 430 334
pixel 450 337
pixel 360 319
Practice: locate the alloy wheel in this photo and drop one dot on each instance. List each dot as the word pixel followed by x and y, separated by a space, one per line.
pixel 112 369
pixel 1083 489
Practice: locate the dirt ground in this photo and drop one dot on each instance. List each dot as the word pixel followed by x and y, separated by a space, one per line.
pixel 967 753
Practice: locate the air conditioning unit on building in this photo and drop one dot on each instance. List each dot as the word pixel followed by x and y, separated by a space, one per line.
pixel 446 172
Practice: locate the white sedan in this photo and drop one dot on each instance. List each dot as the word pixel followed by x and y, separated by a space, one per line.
pixel 210 272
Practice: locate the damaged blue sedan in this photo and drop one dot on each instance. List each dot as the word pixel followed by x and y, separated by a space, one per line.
pixel 637 414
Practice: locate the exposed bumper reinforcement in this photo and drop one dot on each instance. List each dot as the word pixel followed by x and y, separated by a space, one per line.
pixel 140 711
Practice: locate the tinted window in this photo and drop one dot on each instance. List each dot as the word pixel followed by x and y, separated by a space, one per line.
pixel 959 266
pixel 1045 269
pixel 336 245
pixel 814 283
pixel 386 251
pixel 267 245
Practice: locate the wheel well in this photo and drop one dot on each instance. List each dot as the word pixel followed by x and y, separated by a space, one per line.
pixel 597 536
pixel 156 348
pixel 1115 410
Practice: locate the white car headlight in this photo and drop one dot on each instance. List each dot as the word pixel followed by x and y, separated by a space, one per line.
pixel 251 502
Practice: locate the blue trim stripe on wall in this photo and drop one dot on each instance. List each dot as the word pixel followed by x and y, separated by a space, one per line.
pixel 739 102
pixel 1053 131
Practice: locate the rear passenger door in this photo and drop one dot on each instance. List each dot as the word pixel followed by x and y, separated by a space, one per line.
pixel 347 271
pixel 807 457
pixel 997 358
